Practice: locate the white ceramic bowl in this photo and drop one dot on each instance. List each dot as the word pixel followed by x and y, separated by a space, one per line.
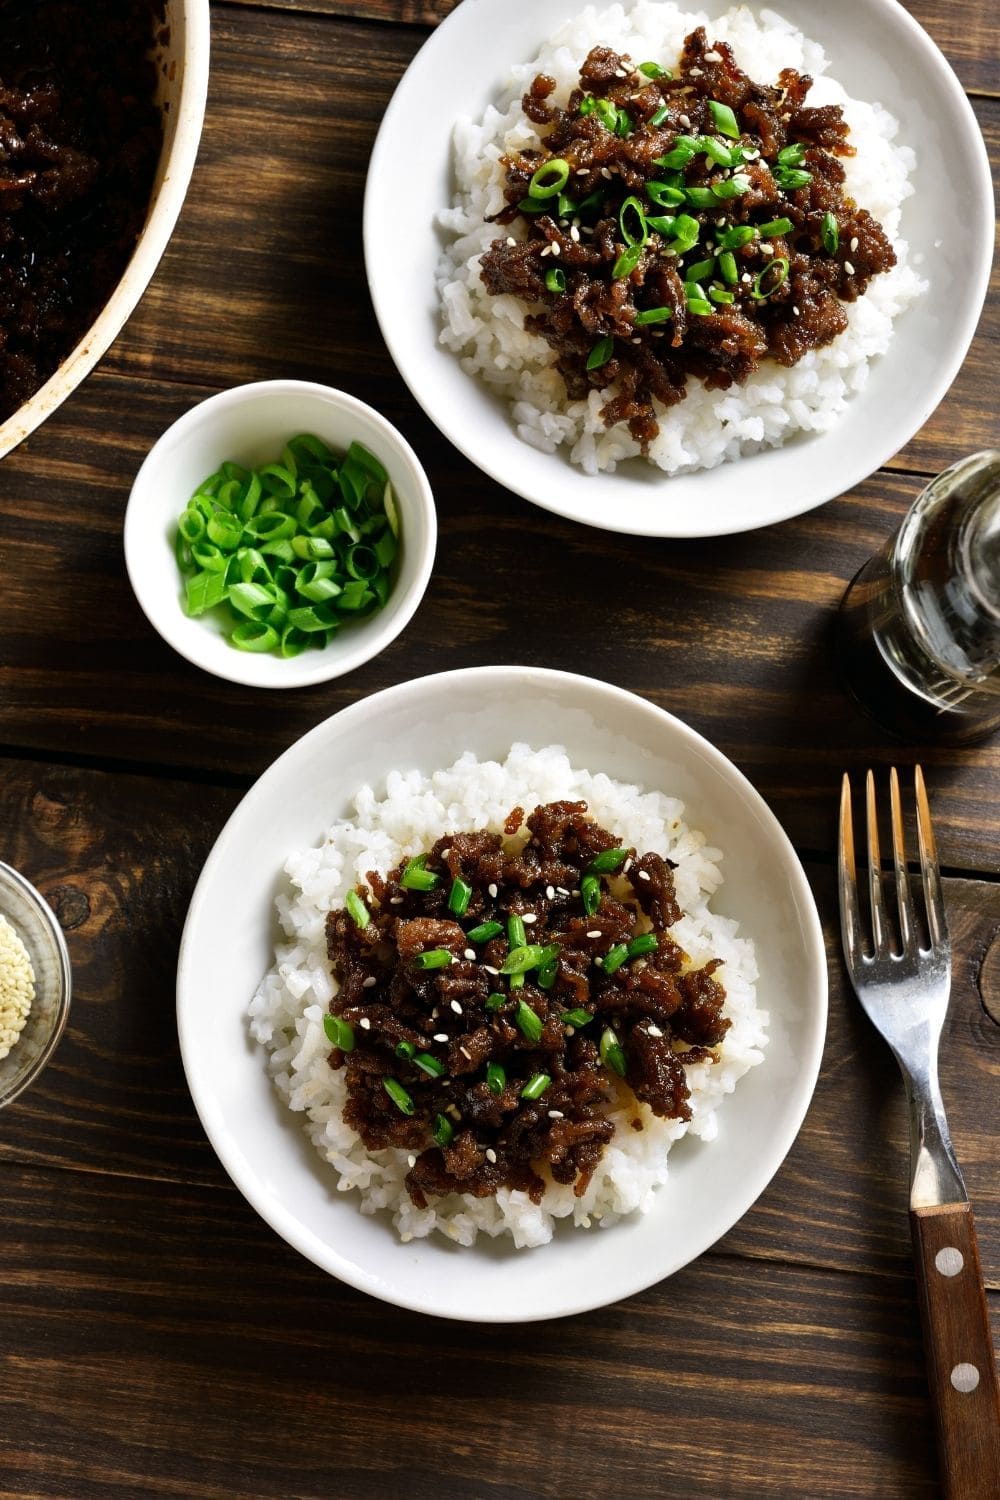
pixel 251 424
pixel 228 946
pixel 181 56
pixel 878 52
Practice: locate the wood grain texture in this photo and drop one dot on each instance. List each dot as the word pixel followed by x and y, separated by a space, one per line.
pixel 161 1341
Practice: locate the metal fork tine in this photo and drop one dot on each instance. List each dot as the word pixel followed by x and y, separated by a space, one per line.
pixel 904 899
pixel 880 941
pixel 933 898
pixel 848 876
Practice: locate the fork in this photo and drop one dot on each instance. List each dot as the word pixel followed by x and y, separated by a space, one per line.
pixel 904 991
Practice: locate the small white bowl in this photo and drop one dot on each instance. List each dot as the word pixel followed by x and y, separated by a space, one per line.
pixel 181 55
pixel 250 425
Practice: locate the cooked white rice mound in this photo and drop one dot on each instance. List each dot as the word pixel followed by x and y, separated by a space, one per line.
pixel 286 1013
pixel 707 427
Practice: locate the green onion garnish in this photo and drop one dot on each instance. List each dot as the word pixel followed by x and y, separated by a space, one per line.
pixel 555 279
pixel 634 232
pixel 658 117
pixel 429 1065
pixel 528 1023
pixel 614 958
pixel 626 262
pixel 698 270
pixel 536 1086
pixel 586 106
pixel 757 291
pixel 623 124
pixel 646 942
pixel 459 896
pixel 775 227
pixel 434 958
pixel 715 151
pixel 612 1055
pixel 496 1078
pixel 607 861
pixel 444 1131
pixel 653 315
pixel 653 70
pixel 830 234
pixel 732 187
pixel 516 936
pixel 723 119
pixel 484 932
pixel 735 238
pixel 416 878
pixel 359 912
pixel 662 223
pixel 495 1000
pixel 701 197
pixel 519 960
pixel 547 974
pixel 405 1050
pixel 339 1032
pixel 600 354
pixel 398 1095
pixel 664 195
pixel 727 267
pixel 686 231
pixel 607 113
pixel 577 1017
pixel 720 295
pixel 550 178
pixel 791 178
pixel 790 156
pixel 590 892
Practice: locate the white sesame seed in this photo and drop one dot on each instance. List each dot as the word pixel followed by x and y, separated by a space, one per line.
pixel 643 874
pixel 369 982
pixel 685 120
pixel 767 249
pixel 653 1031
pixel 511 240
pixel 445 852
pixel 562 890
pixel 854 243
pixel 582 171
pixel 395 900
pixel 547 250
pixel 491 1155
pixel 441 1036
pixel 490 969
pixel 627 865
pixel 411 1160
pixel 365 1024
pixel 469 953
pixel 529 917
pixel 556 1114
pixel 795 312
pixel 606 172
pixel 713 56
pixel 595 933
pixel 492 889
pixel 695 72
pixel 746 278
pixel 456 1007
pixel 550 893
pixel 848 268
pixel 465 1052
pixel 556 248
pixel 452 1109
pixel 574 235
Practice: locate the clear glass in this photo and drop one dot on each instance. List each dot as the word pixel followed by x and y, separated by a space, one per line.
pixel 36 925
pixel 920 624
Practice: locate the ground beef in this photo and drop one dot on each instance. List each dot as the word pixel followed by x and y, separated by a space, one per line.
pixel 79 142
pixel 497 1080
pixel 641 319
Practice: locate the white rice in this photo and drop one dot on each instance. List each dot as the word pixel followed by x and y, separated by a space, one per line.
pixel 286 1013
pixel 707 427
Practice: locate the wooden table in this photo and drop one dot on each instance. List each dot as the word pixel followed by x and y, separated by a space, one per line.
pixel 156 1338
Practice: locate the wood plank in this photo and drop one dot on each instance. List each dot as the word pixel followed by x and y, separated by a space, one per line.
pixel 118 856
pixel 162 1341
pixel 964 32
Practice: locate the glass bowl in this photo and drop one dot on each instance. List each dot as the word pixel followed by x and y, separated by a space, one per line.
pixel 36 925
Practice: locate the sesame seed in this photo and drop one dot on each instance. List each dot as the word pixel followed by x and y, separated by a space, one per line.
pixel 636 340
pixel 582 171
pixel 456 1007
pixel 441 1036
pixel 627 865
pixel 606 172
pixel 395 900
pixel 695 72
pixel 621 72
pixel 643 874
pixel 452 1109
pixel 511 240
pixel 848 268
pixel 653 1031
pixel 465 1052
pixel 435 1013
pixel 365 1024
pixel 574 234
pixel 575 891
pixel 529 917
pixel 469 953
pixel 550 893
pixel 491 1155
pixel 445 852
pixel 767 249
pixel 713 56
pixel 685 121
pixel 556 1114
pixel 492 889
pixel 547 250
pixel 746 278
pixel 411 1160
pixel 556 248
pixel 562 890
pixel 854 243
pixel 595 933
pixel 369 982
pixel 490 969
pixel 795 312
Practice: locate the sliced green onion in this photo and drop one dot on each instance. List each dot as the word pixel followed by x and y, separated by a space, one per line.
pixel 549 179
pixel 607 861
pixel 614 958
pixel 658 117
pixel 686 232
pixel 416 878
pixel 699 269
pixel 653 70
pixel 830 234
pixel 459 896
pixel 495 1000
pixel 791 178
pixel 723 119
pixel 716 152
pixel 339 1032
pixel 590 892
pixel 429 1065
pixel 444 1131
pixel 633 233
pixel 527 956
pixel 701 197
pixel 720 295
pixel 607 113
pixel 611 1052
pixel 732 187
pixel 623 124
pixel 484 932
pixel 700 307
pixel 253 635
pixel 406 1050
pixel 664 195
pixel 600 354
pixel 357 909
pixel 586 105
pixel 662 223
pixel 496 1078
pixel 735 238
pixel 653 315
pixel 536 1086
pixel 677 158
pixel 627 262
pixel 757 290
pixel 576 1017
pixel 516 935
pixel 528 1022
pixel 555 279
pixel 790 156
pixel 775 227
pixel 547 973
pixel 434 958
pixel 727 267
pixel 646 942
pixel 398 1095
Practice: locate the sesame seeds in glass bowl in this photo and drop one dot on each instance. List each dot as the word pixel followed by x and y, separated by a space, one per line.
pixel 35 984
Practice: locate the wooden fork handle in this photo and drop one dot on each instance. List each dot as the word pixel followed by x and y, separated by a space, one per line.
pixel 961 1365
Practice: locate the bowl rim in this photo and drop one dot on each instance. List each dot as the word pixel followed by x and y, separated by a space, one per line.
pixel 259 1194
pixel 828 482
pixel 177 164
pixel 48 916
pixel 374 635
